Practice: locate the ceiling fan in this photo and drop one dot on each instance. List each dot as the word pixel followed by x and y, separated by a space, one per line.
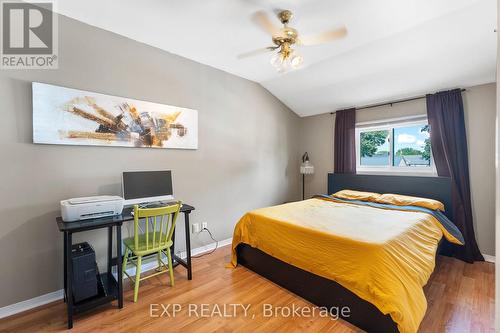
pixel 286 37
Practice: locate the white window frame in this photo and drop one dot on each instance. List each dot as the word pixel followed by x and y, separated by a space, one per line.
pixel 390 169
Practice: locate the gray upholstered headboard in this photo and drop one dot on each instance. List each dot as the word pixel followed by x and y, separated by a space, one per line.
pixel 438 188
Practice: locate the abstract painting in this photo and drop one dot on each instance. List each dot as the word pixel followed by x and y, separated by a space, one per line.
pixel 76 117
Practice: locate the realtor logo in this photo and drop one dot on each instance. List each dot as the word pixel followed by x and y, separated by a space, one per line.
pixel 29 38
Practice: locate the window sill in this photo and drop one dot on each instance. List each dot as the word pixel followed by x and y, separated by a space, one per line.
pixel 418 173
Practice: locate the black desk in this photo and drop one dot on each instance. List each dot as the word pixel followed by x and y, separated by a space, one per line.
pixel 114 289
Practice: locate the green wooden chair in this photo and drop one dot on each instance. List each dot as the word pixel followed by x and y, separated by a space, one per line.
pixel 157 238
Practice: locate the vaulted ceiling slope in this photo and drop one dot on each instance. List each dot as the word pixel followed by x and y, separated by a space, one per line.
pixel 394 48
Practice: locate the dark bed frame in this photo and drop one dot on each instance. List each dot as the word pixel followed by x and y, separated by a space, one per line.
pixel 327 293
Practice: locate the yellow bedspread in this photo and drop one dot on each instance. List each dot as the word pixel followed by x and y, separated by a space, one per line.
pixel 383 256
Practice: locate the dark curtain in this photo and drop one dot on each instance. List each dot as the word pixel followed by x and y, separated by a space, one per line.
pixel 445 112
pixel 344 141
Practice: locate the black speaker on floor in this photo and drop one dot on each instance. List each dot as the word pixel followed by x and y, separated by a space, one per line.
pixel 85 273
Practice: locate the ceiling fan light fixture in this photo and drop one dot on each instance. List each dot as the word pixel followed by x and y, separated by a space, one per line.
pixel 285 38
pixel 285 67
pixel 286 60
pixel 277 60
pixel 296 61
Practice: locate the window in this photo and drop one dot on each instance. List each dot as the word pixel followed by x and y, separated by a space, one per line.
pixel 398 147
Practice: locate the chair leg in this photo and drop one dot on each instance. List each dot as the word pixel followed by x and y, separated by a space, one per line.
pixel 125 260
pixel 137 277
pixel 170 268
pixel 160 265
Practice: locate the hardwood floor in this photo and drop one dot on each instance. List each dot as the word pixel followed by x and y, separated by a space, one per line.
pixel 460 296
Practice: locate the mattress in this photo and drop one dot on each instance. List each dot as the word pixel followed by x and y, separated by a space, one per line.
pixel 384 254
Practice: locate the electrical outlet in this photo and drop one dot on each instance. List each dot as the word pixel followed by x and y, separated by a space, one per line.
pixel 196 227
pixel 204 225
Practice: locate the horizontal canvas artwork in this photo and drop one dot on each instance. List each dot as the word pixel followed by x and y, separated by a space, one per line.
pixel 76 117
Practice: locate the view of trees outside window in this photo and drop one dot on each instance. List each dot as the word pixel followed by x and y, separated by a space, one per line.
pixel 411 147
pixel 374 147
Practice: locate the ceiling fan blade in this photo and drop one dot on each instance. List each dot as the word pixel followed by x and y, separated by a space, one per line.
pixel 323 37
pixel 256 52
pixel 262 20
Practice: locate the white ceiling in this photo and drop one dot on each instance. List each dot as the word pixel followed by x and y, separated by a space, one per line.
pixel 394 48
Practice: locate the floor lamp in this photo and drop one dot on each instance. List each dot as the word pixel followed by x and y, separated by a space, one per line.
pixel 306 168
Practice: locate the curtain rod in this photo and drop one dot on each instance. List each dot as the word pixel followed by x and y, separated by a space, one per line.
pixel 392 102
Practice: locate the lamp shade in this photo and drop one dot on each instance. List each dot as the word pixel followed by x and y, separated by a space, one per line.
pixel 306 168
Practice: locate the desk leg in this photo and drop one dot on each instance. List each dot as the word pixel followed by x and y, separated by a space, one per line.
pixel 65 250
pixel 69 275
pixel 172 250
pixel 188 245
pixel 119 264
pixel 110 249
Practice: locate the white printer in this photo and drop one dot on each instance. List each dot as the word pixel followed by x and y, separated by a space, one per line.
pixel 91 207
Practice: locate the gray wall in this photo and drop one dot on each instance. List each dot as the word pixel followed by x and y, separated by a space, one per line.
pixel 317 140
pixel 247 157
pixel 480 106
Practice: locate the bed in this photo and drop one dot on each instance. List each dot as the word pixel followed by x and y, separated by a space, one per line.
pixel 308 248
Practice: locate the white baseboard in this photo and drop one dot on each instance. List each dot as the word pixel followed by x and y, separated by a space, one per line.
pixel 489 258
pixel 29 304
pixel 206 248
pixel 152 264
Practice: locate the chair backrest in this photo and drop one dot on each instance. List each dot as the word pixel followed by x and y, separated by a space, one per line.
pixel 159 224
